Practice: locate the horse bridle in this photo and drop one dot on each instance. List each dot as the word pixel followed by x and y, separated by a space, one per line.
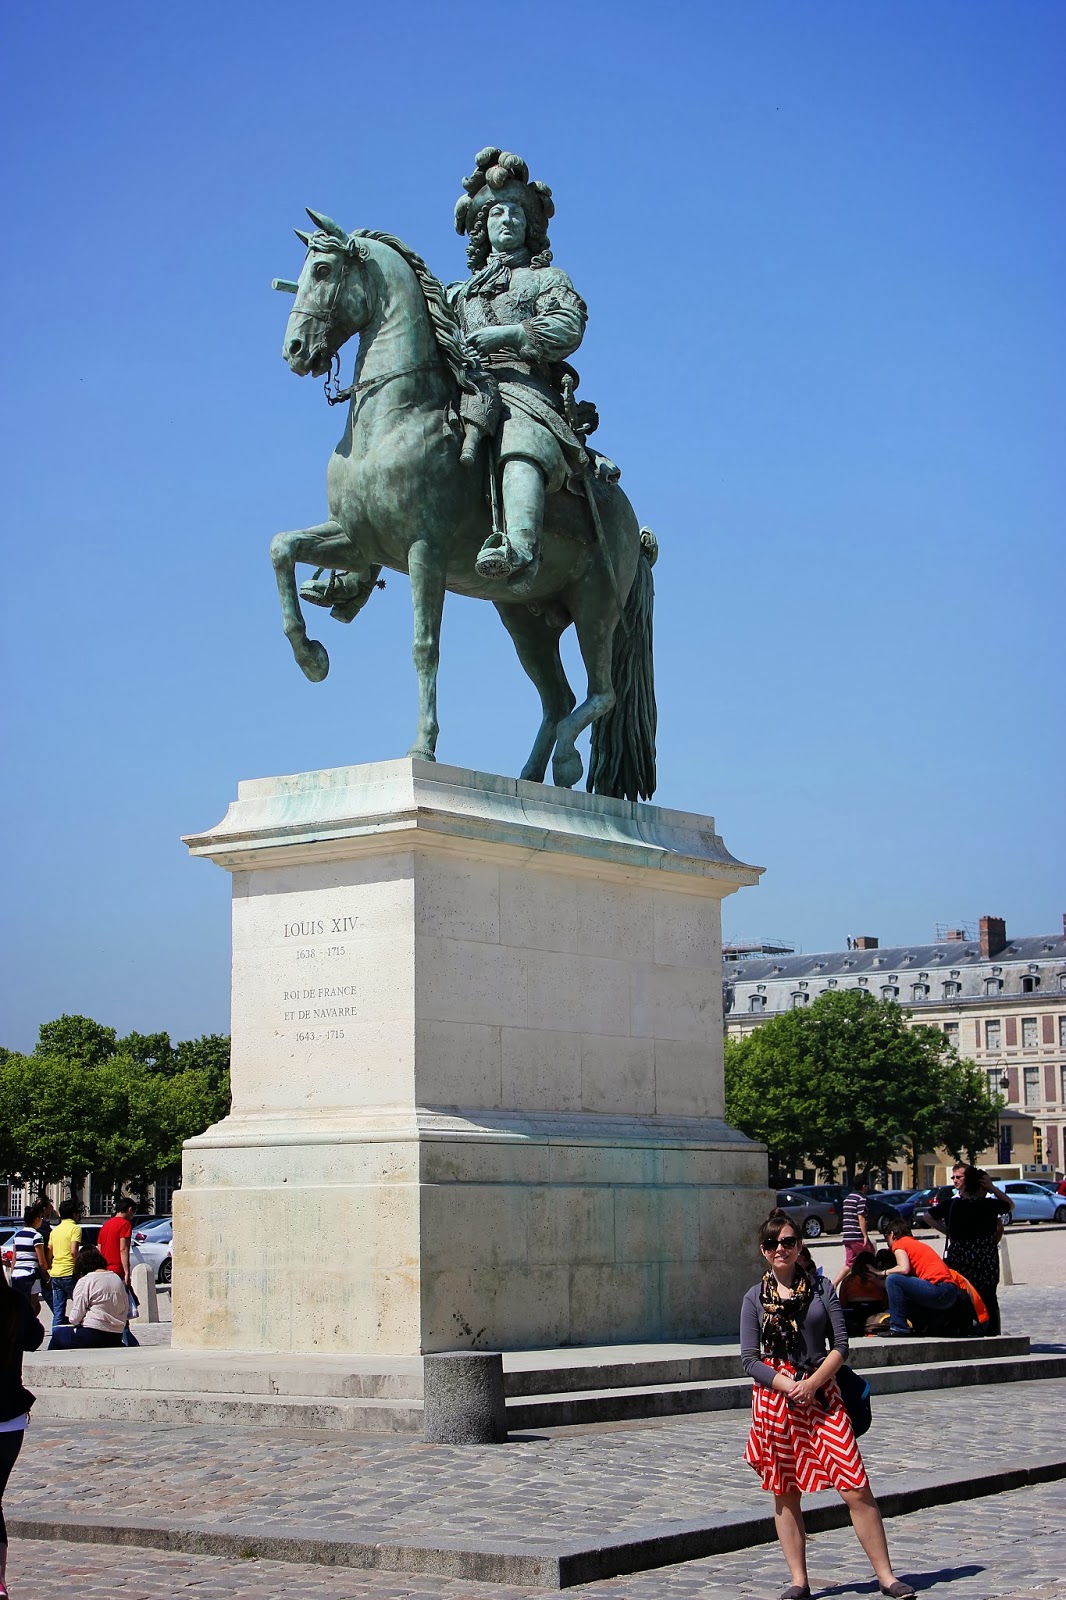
pixel 333 393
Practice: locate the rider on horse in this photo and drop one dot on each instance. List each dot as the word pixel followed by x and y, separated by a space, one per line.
pixel 522 317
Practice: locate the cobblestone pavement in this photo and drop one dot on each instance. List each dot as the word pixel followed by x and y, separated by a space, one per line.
pixel 575 1484
pixel 1009 1545
pixel 599 1482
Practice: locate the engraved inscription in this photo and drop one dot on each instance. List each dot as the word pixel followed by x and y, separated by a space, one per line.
pixel 312 1003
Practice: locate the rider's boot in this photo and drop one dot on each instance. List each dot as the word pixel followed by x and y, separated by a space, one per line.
pixel 523 504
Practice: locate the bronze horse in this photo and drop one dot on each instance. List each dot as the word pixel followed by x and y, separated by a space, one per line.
pixel 399 497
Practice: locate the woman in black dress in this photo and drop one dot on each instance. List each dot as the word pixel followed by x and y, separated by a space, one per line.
pixel 971 1218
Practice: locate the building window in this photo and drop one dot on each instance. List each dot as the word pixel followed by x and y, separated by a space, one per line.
pixel 1062 1033
pixel 1030 984
pixel 993 1075
pixel 1038 1146
pixel 951 989
pixel 951 1034
pixel 1032 1086
pixel 993 985
pixel 800 998
pixel 757 1002
pixel 889 991
pixel 919 991
pixel 928 1176
pixel 993 1036
pixel 1029 1033
pixel 1062 1085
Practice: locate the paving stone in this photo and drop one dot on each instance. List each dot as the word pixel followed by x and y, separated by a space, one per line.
pixel 572 1484
pixel 1008 1547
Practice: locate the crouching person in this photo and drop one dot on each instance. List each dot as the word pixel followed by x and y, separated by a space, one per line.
pixel 919 1286
pixel 97 1309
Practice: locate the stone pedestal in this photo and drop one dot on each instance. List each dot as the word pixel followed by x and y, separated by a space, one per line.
pixel 477 1074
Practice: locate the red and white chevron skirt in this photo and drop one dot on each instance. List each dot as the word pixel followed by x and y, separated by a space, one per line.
pixel 801 1447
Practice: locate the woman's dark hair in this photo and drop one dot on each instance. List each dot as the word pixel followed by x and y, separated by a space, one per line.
pixel 883 1259
pixel 773 1224
pixel 971 1181
pixel 863 1262
pixel 895 1228
pixel 89 1260
pixel 70 1210
pixel 34 1212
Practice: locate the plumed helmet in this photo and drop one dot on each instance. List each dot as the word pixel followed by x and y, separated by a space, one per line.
pixel 499 174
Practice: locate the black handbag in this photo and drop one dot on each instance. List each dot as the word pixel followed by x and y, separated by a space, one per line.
pixel 855 1393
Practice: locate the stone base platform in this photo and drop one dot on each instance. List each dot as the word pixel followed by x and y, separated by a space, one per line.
pixel 544 1389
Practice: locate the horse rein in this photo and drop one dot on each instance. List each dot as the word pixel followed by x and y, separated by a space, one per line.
pixel 334 395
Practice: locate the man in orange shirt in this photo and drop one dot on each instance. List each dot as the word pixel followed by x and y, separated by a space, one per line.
pixel 919 1278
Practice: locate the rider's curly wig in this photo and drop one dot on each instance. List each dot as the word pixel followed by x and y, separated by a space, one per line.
pixel 496 170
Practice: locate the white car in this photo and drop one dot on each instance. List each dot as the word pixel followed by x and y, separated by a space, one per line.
pixel 152 1245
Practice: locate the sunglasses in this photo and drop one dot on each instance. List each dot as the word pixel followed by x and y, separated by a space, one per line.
pixel 787 1241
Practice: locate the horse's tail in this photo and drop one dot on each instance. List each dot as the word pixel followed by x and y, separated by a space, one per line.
pixel 623 741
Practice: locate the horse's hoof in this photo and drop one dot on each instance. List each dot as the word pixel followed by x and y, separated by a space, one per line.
pixel 314 661
pixel 566 770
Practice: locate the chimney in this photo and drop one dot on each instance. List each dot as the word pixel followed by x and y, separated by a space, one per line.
pixel 993 937
pixel 865 941
pixel 956 936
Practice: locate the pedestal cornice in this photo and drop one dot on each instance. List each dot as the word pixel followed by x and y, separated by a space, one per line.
pixel 320 816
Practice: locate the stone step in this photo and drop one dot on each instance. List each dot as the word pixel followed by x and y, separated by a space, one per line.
pixel 733 1394
pixel 529 1373
pixel 242 1373
pixel 321 1412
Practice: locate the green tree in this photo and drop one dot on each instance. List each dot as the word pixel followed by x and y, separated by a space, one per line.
pixel 76 1039
pixel 842 1079
pixel 970 1115
pixel 86 1101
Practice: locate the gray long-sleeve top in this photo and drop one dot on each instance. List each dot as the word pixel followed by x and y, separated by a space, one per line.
pixel 821 1327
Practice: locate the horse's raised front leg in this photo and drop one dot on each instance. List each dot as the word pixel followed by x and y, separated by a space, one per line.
pixel 595 623
pixel 426 566
pixel 322 546
pixel 537 643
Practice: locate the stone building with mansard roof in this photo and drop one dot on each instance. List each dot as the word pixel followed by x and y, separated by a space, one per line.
pixel 1001 1001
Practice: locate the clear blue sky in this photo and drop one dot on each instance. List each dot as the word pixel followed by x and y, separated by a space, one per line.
pixel 822 245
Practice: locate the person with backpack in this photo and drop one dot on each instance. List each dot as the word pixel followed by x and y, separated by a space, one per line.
pixel 792 1345
pixel 19 1331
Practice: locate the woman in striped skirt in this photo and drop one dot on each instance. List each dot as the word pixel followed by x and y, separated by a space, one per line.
pixel 801 1438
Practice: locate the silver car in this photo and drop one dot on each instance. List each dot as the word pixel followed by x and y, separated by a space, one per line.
pixel 1032 1202
pixel 811 1216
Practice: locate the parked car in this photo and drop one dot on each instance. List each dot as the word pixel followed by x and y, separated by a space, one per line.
pixel 811 1216
pixel 882 1203
pixel 154 1247
pixel 1032 1202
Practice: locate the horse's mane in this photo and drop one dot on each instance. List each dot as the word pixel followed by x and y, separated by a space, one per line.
pixel 457 354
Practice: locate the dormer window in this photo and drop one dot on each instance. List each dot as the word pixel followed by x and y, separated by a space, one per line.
pixel 993 985
pixel 951 988
pixel 919 991
pixel 889 991
pixel 800 997
pixel 1030 983
pixel 757 1002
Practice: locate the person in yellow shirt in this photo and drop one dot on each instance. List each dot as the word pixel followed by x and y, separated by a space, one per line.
pixel 64 1242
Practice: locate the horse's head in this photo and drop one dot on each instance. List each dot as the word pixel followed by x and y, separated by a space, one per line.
pixel 333 298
